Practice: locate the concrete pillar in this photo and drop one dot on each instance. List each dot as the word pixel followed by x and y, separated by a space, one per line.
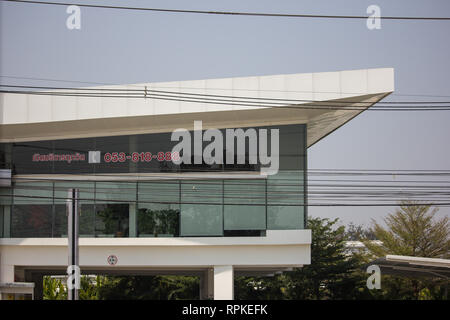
pixel 6 273
pixel 223 283
pixel 207 285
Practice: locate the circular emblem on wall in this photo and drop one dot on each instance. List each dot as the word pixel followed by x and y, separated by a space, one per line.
pixel 112 260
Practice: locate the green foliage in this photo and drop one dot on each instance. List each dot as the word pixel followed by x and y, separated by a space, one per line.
pixel 89 287
pixel 149 288
pixel 54 289
pixel 332 274
pixel 157 222
pixel 355 232
pixel 412 231
pixel 113 219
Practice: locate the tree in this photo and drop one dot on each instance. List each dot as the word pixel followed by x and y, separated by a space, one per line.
pixel 89 287
pixel 412 230
pixel 149 288
pixel 332 274
pixel 355 232
pixel 53 289
pixel 56 288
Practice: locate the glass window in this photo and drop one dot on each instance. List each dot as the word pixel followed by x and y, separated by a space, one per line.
pixel 86 191
pixel 33 192
pixel 5 155
pixel 285 200
pixel 111 220
pixel 1 221
pixel 31 221
pixel 5 196
pixel 201 208
pixel 32 211
pixel 158 209
pixel 87 221
pixel 244 205
pixel 158 222
pixel 286 187
pixel 60 225
pixel 110 145
pixel 115 192
pixel 86 218
pixel 158 193
pixel 245 217
pixel 201 220
pixel 79 150
pixel 285 217
pixel 159 145
pixel 202 191
pixel 32 157
pixel 164 208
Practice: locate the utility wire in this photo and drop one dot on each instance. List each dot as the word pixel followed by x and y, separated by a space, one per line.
pixel 142 87
pixel 391 204
pixel 229 13
pixel 321 105
pixel 112 91
pixel 333 195
pixel 157 173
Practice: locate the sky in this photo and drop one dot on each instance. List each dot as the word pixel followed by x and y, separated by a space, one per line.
pixel 124 47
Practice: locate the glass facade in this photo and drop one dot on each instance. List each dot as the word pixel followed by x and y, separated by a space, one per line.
pixel 210 206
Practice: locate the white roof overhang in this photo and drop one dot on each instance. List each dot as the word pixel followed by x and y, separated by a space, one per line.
pixel 28 117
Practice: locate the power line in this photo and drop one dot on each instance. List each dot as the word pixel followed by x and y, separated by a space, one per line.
pixel 319 105
pixel 390 204
pixel 338 194
pixel 311 172
pixel 262 186
pixel 142 86
pixel 230 13
pixel 112 91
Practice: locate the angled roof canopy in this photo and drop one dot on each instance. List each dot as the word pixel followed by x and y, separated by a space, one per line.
pixel 27 117
pixel 414 267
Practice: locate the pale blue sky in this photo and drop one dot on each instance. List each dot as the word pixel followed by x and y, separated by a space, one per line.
pixel 116 46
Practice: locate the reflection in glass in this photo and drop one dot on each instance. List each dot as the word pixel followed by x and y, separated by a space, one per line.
pixel 111 220
pixel 158 223
pixel 285 217
pixel 31 221
pixel 201 220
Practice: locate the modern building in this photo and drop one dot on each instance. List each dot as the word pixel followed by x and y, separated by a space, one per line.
pixel 143 213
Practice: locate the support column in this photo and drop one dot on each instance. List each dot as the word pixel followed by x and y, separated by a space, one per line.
pixel 207 285
pixel 223 283
pixel 6 273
